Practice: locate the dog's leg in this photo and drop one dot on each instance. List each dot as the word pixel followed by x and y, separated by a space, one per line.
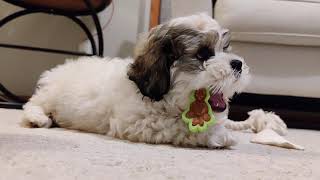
pixel 34 116
pixel 178 134
pixel 220 137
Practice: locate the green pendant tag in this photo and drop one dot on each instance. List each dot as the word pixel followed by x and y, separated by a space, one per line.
pixel 201 116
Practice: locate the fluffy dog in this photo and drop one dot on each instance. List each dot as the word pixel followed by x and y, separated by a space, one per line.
pixel 141 99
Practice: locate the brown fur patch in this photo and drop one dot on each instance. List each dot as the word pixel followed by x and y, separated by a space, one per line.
pixel 158 50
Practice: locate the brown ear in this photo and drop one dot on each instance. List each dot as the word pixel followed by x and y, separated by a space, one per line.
pixel 151 68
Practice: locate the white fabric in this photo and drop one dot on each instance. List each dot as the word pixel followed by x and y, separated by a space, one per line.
pixel 258 121
pixel 279 40
pixel 60 154
pixel 269 128
pixel 270 137
pixel 271 21
pixel 281 70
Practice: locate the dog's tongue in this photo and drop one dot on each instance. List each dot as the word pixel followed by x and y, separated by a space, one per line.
pixel 217 102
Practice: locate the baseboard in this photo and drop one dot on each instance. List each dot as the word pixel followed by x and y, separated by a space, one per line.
pixel 297 112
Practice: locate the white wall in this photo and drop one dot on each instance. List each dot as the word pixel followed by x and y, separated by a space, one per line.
pixel 129 19
pixel 177 8
pixel 19 70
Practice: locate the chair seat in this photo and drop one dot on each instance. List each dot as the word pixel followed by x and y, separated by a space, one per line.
pixel 77 7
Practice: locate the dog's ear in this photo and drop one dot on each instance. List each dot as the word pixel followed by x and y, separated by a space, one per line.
pixel 154 55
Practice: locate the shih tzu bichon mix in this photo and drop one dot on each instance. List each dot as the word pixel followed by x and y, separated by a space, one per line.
pixel 141 99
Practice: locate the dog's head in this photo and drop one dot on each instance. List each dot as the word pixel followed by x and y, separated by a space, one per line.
pixel 187 53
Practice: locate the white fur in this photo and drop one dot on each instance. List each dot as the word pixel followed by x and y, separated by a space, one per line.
pixel 95 95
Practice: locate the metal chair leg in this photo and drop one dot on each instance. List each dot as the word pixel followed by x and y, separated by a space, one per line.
pixel 98 27
pixel 18 102
pixel 87 31
pixel 10 95
pixel 73 18
pixel 15 15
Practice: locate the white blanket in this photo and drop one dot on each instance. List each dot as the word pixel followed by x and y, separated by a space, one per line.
pixel 270 129
pixel 59 154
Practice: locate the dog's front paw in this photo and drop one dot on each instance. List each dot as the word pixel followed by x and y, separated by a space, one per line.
pixel 36 121
pixel 220 137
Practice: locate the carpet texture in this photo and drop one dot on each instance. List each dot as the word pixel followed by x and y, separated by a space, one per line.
pixel 61 154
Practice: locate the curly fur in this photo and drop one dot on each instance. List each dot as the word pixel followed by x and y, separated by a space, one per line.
pixel 141 99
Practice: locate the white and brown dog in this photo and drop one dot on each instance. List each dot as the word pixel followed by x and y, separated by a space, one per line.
pixel 141 99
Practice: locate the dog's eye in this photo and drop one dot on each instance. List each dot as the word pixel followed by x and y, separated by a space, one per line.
pixel 204 54
pixel 226 46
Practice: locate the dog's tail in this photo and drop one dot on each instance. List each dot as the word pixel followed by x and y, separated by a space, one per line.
pixel 35 116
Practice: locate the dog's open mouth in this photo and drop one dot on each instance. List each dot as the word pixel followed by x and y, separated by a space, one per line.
pixel 217 102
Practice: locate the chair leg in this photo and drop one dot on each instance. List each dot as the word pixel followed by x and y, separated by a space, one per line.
pixel 10 95
pixel 18 102
pixel 73 18
pixel 87 31
pixel 98 27
pixel 16 15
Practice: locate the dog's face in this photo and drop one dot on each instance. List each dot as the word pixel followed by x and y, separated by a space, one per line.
pixel 189 53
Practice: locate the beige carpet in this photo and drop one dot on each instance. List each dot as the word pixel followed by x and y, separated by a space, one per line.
pixel 60 154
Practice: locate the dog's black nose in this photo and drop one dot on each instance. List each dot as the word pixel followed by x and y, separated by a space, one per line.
pixel 236 65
